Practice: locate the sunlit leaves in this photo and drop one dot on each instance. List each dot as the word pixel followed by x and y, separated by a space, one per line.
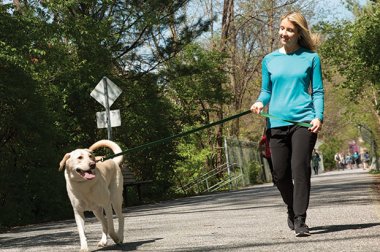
pixel 354 50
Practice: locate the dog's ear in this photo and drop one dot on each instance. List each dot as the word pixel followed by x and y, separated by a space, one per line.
pixel 62 164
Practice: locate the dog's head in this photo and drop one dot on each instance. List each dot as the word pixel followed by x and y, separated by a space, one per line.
pixel 80 164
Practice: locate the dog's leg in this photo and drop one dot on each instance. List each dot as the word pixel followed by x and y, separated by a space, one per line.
pixel 116 190
pixel 111 229
pixel 117 207
pixel 99 215
pixel 79 219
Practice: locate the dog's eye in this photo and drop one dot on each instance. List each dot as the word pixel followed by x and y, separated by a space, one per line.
pixel 80 157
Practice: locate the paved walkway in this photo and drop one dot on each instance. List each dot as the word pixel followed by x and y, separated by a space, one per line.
pixel 344 215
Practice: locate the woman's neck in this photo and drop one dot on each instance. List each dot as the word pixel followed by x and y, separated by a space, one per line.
pixel 287 49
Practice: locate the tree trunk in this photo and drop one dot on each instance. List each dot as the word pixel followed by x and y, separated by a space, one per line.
pixel 375 101
pixel 17 5
pixel 227 23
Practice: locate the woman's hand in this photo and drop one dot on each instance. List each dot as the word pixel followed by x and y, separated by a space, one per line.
pixel 257 107
pixel 316 125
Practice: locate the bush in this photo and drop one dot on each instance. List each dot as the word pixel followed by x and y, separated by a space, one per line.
pixel 255 171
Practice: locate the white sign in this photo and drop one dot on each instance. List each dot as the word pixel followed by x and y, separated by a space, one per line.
pixel 113 92
pixel 101 119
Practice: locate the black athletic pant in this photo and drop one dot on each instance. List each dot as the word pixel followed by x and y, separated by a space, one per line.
pixel 291 148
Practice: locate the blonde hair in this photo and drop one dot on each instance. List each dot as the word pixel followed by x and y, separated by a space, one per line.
pixel 307 39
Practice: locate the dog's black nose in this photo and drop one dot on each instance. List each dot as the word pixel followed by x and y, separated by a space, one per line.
pixel 92 165
pixel 78 170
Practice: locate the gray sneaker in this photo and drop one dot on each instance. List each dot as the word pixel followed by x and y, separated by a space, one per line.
pixel 301 229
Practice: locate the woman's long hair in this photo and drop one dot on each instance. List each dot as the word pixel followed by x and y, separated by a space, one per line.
pixel 307 39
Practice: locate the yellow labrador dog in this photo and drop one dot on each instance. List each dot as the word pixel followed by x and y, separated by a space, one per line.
pixel 94 186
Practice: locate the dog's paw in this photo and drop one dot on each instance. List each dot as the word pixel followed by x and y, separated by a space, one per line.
pixel 116 239
pixel 83 250
pixel 102 243
pixel 121 240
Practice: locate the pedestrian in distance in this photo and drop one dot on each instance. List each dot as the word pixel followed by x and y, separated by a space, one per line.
pixel 366 160
pixel 343 160
pixel 338 161
pixel 356 159
pixel 315 161
pixel 292 86
pixel 349 161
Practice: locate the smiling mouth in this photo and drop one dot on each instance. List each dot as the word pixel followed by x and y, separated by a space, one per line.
pixel 88 175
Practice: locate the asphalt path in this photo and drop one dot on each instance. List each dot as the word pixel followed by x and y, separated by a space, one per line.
pixel 344 215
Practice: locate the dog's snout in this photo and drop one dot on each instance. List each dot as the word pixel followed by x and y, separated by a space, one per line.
pixel 78 170
pixel 92 165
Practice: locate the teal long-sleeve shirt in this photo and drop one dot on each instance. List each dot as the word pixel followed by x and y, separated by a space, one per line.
pixel 292 86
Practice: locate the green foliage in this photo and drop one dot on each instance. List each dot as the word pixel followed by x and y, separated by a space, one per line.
pixel 29 180
pixel 255 170
pixel 374 171
pixel 196 82
pixel 147 116
pixel 365 37
pixel 191 165
pixel 329 148
pixel 357 58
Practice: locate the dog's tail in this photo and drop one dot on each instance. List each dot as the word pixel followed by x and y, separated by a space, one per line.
pixel 109 144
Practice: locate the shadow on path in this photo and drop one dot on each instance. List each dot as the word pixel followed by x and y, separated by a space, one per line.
pixel 48 239
pixel 337 228
pixel 130 246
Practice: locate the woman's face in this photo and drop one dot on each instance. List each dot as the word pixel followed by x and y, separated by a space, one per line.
pixel 288 34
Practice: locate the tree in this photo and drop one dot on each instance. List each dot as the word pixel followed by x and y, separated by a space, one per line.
pixel 84 41
pixel 28 153
pixel 194 82
pixel 351 68
pixel 357 59
pixel 28 141
pixel 148 116
pixel 57 52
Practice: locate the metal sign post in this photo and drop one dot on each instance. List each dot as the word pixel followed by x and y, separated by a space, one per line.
pixel 106 92
pixel 109 128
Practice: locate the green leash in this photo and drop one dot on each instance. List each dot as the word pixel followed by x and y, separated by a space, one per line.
pixel 140 147
pixel 308 125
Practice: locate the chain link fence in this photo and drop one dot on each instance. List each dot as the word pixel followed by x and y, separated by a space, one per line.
pixel 246 156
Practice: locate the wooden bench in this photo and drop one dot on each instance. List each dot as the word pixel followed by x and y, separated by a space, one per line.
pixel 130 181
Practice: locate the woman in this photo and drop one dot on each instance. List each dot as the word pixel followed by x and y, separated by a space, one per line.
pixel 292 85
